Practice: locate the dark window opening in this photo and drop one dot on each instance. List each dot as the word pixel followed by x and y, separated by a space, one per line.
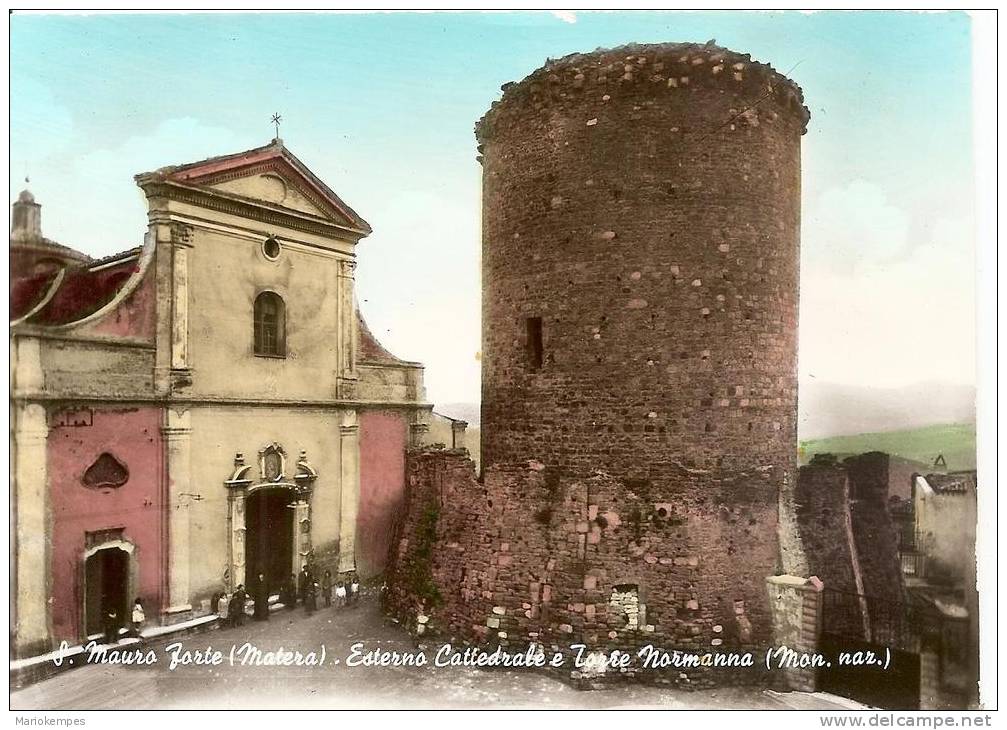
pixel 271 248
pixel 106 472
pixel 270 325
pixel 535 348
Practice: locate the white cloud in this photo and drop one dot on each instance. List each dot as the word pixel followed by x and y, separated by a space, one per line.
pixel 567 16
pixel 854 226
pixel 910 320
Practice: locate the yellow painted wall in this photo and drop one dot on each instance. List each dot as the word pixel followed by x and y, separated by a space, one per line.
pixel 219 432
pixel 226 273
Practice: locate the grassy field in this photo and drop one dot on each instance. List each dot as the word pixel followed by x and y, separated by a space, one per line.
pixel 956 441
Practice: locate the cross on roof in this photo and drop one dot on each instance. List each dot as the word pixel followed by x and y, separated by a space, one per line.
pixel 276 119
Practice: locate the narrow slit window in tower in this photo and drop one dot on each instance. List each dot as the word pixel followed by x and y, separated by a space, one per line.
pixel 534 332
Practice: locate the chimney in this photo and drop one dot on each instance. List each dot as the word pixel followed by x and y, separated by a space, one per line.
pixel 26 218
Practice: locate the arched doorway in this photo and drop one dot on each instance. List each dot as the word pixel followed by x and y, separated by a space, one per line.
pixel 269 530
pixel 106 587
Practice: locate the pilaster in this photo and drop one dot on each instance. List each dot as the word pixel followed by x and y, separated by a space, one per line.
pixel 160 230
pixel 172 243
pixel 28 466
pixel 177 433
pixel 458 434
pixel 181 242
pixel 236 528
pixel 346 331
pixel 349 487
pixel 419 428
pixel 302 534
pixel 180 305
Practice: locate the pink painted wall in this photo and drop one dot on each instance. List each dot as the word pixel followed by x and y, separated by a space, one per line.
pixel 135 316
pixel 382 486
pixel 76 439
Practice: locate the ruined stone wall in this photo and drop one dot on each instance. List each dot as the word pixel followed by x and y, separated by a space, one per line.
pixel 847 533
pixel 825 525
pixel 873 530
pixel 531 554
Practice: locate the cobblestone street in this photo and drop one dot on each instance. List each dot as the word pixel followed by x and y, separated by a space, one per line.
pixel 99 686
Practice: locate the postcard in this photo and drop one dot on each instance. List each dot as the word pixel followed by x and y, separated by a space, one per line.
pixel 512 360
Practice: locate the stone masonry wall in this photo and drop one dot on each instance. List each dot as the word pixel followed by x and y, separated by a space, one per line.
pixel 847 534
pixel 641 211
pixel 531 555
pixel 642 205
pixel 873 530
pixel 825 525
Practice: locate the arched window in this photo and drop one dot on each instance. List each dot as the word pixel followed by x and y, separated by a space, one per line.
pixel 270 325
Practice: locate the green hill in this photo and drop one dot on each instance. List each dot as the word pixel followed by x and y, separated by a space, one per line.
pixel 956 441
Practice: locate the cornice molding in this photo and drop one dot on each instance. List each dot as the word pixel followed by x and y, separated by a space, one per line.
pixel 379 365
pixel 47 333
pixel 254 235
pixel 176 401
pixel 243 207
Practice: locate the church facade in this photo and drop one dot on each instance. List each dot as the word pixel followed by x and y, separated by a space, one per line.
pixel 200 409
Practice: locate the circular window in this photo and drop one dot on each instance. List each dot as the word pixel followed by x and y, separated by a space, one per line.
pixel 271 248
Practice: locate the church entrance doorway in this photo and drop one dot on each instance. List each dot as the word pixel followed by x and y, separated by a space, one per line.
pixel 106 588
pixel 269 531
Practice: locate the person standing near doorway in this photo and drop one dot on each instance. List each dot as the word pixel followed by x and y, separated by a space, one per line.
pixel 290 593
pixel 138 617
pixel 238 606
pixel 111 625
pixel 327 588
pixel 260 595
pixel 303 581
pixel 354 589
pixel 311 596
pixel 220 606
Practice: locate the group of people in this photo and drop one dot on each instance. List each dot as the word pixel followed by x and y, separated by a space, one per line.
pixel 111 623
pixel 305 589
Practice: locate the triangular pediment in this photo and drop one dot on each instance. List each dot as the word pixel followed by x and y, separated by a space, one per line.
pixel 272 176
pixel 272 186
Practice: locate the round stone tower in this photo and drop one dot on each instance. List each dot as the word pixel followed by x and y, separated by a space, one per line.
pixel 641 232
pixel 641 211
pixel 640 285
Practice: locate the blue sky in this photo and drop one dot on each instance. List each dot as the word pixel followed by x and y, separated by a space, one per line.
pixel 382 107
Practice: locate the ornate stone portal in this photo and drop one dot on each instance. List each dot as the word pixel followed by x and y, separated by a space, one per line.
pixel 272 474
